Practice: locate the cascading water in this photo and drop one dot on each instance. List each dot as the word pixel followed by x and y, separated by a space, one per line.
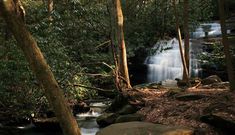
pixel 86 121
pixel 166 63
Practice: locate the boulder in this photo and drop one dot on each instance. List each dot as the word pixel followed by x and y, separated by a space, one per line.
pixel 129 118
pixel 106 119
pixel 211 79
pixel 144 128
pixel 118 102
pixel 224 125
pixel 127 109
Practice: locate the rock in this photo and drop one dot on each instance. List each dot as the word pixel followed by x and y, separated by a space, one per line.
pixel 190 96
pixel 129 118
pixel 226 126
pixel 211 79
pixel 50 114
pixel 117 103
pixel 80 107
pixel 127 109
pixel 46 124
pixel 144 128
pixel 181 83
pixel 106 119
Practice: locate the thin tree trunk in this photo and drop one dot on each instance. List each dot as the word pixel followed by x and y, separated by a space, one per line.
pixel 40 68
pixel 185 69
pixel 114 47
pixel 186 36
pixel 228 58
pixel 50 5
pixel 121 43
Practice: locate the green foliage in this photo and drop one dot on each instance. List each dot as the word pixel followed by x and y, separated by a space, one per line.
pixel 17 85
pixel 214 57
pixel 72 44
pixel 148 21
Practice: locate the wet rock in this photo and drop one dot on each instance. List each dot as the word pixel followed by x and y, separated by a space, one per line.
pixel 129 118
pixel 189 97
pixel 144 128
pixel 224 125
pixel 45 124
pixel 80 107
pixel 127 109
pixel 117 103
pixel 211 79
pixel 106 119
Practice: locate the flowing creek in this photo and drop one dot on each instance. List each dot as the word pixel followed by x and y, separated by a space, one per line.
pixel 87 123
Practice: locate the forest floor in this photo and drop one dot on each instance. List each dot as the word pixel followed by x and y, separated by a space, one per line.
pixel 187 107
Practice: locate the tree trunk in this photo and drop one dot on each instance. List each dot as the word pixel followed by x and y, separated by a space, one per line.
pixel 39 66
pixel 113 46
pixel 186 36
pixel 121 43
pixel 185 69
pixel 50 5
pixel 19 9
pixel 228 58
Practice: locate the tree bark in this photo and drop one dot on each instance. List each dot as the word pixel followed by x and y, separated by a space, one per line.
pixel 185 69
pixel 50 5
pixel 40 68
pixel 228 58
pixel 186 36
pixel 121 44
pixel 113 46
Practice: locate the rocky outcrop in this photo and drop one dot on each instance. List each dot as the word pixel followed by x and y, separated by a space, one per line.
pixel 144 128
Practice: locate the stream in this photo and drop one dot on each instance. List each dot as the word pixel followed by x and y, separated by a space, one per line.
pixel 86 121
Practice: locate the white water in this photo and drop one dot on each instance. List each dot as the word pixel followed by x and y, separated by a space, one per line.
pixel 166 64
pixel 87 122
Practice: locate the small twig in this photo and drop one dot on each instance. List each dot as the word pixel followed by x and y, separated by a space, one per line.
pixel 93 88
pixel 88 74
pixel 107 65
pixel 106 42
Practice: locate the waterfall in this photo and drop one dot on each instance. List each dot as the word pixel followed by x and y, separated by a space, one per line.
pixel 166 63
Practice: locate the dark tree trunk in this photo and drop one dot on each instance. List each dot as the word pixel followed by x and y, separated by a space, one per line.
pixel 186 36
pixel 228 58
